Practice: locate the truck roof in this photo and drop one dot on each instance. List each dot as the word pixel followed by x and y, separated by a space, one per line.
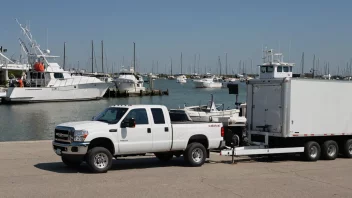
pixel 139 105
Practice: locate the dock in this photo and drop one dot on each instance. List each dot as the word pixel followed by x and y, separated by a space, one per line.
pixel 115 93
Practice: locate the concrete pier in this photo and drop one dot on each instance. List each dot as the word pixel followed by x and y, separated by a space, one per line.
pixel 32 169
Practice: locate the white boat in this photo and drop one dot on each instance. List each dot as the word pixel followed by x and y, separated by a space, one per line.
pixel 50 82
pixel 205 113
pixel 181 79
pixel 128 81
pixel 208 81
pixel 229 81
pixel 2 93
pixel 171 77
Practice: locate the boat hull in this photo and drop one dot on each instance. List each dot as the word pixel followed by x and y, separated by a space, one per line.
pixel 205 84
pixel 89 91
pixel 206 117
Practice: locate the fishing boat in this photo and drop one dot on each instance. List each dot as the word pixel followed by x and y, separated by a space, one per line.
pixel 205 113
pixel 128 81
pixel 208 81
pixel 47 81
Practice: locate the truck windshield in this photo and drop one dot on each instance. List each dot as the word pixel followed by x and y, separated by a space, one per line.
pixel 111 115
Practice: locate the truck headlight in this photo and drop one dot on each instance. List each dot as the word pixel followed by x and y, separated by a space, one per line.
pixel 80 135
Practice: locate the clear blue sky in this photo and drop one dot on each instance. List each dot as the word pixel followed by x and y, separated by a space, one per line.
pixel 163 29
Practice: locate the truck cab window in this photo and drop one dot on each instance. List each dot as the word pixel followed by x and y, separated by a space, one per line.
pixel 139 115
pixel 111 115
pixel 158 116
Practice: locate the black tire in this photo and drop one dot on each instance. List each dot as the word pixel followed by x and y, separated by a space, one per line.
pixel 164 157
pixel 329 150
pixel 312 151
pixel 347 148
pixel 71 161
pixel 195 154
pixel 103 162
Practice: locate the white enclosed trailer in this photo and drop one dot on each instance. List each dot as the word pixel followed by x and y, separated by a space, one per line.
pixel 286 115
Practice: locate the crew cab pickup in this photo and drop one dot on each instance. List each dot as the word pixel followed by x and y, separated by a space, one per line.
pixel 125 130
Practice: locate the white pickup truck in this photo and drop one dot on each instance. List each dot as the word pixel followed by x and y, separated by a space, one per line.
pixel 132 130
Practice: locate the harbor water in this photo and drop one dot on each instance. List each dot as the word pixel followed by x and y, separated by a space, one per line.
pixel 37 121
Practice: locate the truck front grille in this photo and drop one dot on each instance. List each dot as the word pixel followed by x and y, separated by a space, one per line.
pixel 64 135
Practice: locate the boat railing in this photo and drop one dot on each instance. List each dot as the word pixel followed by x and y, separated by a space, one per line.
pixel 60 82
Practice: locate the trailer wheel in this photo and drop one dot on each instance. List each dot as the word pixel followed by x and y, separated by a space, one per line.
pixel 99 159
pixel 330 150
pixel 347 148
pixel 312 151
pixel 195 154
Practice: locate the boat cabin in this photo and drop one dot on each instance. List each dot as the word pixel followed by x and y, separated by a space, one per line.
pixel 274 66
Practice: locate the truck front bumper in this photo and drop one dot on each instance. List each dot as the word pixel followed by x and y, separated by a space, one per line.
pixel 74 148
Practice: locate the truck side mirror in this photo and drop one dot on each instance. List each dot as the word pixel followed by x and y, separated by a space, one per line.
pixel 131 123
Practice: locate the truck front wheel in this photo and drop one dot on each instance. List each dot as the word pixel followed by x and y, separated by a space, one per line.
pixel 99 159
pixel 71 162
pixel 195 154
pixel 312 151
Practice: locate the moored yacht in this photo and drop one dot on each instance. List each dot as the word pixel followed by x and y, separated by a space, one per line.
pixel 47 81
pixel 128 81
pixel 208 81
pixel 181 79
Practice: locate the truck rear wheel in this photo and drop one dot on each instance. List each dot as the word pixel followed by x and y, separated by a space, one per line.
pixel 164 157
pixel 71 162
pixel 347 148
pixel 195 154
pixel 311 151
pixel 99 159
pixel 330 150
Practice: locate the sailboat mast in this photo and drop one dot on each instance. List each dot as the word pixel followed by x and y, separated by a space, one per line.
pixel 102 56
pixel 226 62
pixel 181 62
pixel 92 57
pixel 171 66
pixel 194 65
pixel 134 56
pixel 219 64
pixel 64 65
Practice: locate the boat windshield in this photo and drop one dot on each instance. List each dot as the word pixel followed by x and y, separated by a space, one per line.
pixel 111 115
pixel 266 69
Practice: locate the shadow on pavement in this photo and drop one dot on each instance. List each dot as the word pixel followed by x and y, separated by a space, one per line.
pixel 119 164
pixel 263 158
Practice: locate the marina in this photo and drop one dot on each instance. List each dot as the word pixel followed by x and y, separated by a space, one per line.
pixel 175 100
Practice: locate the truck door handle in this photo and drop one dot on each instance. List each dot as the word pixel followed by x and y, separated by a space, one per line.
pixel 166 129
pixel 149 130
pixel 113 130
